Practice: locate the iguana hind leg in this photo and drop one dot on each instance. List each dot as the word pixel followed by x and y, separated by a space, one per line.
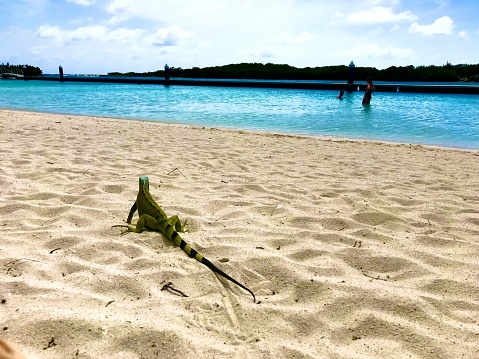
pixel 145 220
pixel 173 220
pixel 176 223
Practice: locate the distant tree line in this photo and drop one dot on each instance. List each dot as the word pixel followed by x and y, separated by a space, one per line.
pixel 432 73
pixel 26 69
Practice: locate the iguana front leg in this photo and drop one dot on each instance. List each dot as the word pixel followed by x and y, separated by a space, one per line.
pixel 132 212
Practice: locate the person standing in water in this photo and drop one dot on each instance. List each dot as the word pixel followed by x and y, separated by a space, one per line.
pixel 368 91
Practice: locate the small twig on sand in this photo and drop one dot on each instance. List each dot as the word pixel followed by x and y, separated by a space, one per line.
pixel 176 169
pixel 168 286
pixel 50 344
pixel 21 259
pixel 377 278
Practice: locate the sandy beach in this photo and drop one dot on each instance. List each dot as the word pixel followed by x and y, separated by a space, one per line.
pixel 354 249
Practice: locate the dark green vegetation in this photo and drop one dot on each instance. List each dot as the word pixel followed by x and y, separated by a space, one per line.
pixel 445 73
pixel 26 69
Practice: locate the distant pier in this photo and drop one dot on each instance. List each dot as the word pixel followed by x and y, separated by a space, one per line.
pixel 452 88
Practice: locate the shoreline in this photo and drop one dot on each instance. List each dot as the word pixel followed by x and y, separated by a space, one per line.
pixel 258 132
pixel 352 247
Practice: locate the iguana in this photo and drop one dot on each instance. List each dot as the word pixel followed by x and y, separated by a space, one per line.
pixel 152 216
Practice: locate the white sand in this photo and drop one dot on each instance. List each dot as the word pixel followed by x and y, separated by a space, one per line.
pixel 354 249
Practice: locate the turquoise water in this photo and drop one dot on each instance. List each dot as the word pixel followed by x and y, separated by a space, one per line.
pixel 433 119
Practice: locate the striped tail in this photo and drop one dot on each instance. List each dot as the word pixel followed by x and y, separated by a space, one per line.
pixel 169 231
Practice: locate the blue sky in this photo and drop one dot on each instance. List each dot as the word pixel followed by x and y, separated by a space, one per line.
pixel 100 36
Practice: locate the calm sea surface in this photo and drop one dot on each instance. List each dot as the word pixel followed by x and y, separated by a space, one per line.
pixel 434 119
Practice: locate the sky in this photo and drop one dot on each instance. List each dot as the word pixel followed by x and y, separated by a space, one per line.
pixel 101 36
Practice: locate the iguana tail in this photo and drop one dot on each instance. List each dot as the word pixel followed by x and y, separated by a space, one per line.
pixel 169 231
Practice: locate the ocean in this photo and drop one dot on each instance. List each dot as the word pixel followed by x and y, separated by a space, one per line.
pixel 450 120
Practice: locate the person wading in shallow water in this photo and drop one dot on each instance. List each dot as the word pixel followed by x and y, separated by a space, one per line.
pixel 368 91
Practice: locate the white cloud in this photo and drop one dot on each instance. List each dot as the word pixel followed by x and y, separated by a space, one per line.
pixel 378 14
pixel 303 37
pixel 170 36
pixel 376 31
pixel 376 51
pixel 95 33
pixel 464 35
pixel 82 2
pixel 442 26
pixel 396 27
pixel 124 35
pixel 63 36
pixel 122 10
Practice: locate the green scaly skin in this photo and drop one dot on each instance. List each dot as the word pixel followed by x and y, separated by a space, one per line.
pixel 153 217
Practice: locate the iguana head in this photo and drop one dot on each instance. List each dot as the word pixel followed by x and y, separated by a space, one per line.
pixel 144 184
